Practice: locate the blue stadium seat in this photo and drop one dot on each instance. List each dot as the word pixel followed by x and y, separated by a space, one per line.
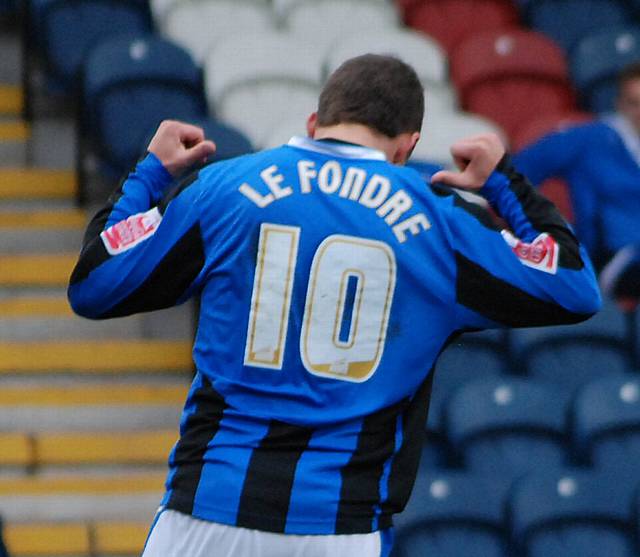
pixel 606 422
pixel 596 62
pixel 451 515
pixel 67 31
pixel 573 514
pixel 568 21
pixel 507 425
pixel 570 356
pixel 468 357
pixel 130 86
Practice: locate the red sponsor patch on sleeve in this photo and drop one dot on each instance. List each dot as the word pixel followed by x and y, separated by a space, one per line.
pixel 541 254
pixel 128 233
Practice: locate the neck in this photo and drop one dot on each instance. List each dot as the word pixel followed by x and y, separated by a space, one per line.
pixel 358 134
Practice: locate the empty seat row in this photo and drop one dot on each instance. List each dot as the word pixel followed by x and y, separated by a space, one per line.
pixel 515 425
pixel 560 513
pixel 199 24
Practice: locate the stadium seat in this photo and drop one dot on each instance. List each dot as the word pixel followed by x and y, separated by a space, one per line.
pixel 596 61
pixel 511 77
pixel 257 82
pixel 471 356
pixel 424 54
pixel 130 86
pixel 554 189
pixel 573 514
pixel 568 21
pixel 199 24
pixel 450 22
pixel 570 356
pixel 67 31
pixel 548 123
pixel 441 129
pixel 324 23
pixel 453 514
pixel 507 425
pixel 606 421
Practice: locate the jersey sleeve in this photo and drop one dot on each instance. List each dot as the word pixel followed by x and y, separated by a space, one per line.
pixel 534 273
pixel 144 250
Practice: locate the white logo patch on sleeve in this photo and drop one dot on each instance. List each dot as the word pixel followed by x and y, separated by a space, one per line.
pixel 541 254
pixel 128 233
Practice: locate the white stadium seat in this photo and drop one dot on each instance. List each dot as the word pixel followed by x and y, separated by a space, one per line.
pixel 421 52
pixel 326 22
pixel 440 97
pixel 269 56
pixel 284 131
pixel 199 24
pixel 256 81
pixel 441 130
pixel 257 110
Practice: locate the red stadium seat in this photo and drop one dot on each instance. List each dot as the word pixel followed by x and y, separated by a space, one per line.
pixel 452 21
pixel 554 189
pixel 512 77
pixel 545 124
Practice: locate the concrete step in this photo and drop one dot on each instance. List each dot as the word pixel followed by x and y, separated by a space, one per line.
pixel 77 539
pixel 108 357
pixel 29 317
pixel 14 131
pixel 36 270
pixel 92 407
pixel 11 100
pixel 41 231
pixel 25 183
pixel 44 220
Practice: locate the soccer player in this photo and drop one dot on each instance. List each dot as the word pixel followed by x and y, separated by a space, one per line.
pixel 331 278
pixel 601 163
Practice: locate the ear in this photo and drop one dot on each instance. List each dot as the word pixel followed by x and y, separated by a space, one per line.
pixel 405 145
pixel 312 124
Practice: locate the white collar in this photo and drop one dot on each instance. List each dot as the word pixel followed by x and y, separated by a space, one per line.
pixel 627 133
pixel 342 150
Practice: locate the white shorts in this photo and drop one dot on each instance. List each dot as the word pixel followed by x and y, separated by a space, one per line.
pixel 175 534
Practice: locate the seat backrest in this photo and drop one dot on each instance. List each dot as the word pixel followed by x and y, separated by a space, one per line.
pixel 510 424
pixel 597 60
pixel 450 22
pixel 441 129
pixel 257 109
pixel 573 513
pixel 452 514
pixel 606 421
pixel 242 61
pixel 548 123
pixel 568 21
pixel 327 22
pixel 71 29
pixel 418 50
pixel 197 25
pixel 125 74
pixel 511 77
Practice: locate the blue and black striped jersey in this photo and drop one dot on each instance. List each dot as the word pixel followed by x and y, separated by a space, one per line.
pixel 330 281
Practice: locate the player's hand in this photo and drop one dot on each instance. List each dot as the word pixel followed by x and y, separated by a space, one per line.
pixel 179 146
pixel 476 157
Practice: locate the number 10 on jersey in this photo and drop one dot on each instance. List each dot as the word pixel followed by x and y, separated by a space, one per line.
pixel 349 297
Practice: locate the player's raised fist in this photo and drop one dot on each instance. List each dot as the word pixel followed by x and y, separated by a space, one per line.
pixel 476 157
pixel 179 146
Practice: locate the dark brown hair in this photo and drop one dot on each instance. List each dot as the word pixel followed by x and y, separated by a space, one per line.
pixel 629 73
pixel 380 92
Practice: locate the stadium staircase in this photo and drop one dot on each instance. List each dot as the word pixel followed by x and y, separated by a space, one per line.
pixel 88 410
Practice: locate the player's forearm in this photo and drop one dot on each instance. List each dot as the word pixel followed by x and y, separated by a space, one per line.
pixel 529 214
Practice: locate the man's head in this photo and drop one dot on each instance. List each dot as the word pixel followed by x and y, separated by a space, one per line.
pixel 381 93
pixel 629 94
